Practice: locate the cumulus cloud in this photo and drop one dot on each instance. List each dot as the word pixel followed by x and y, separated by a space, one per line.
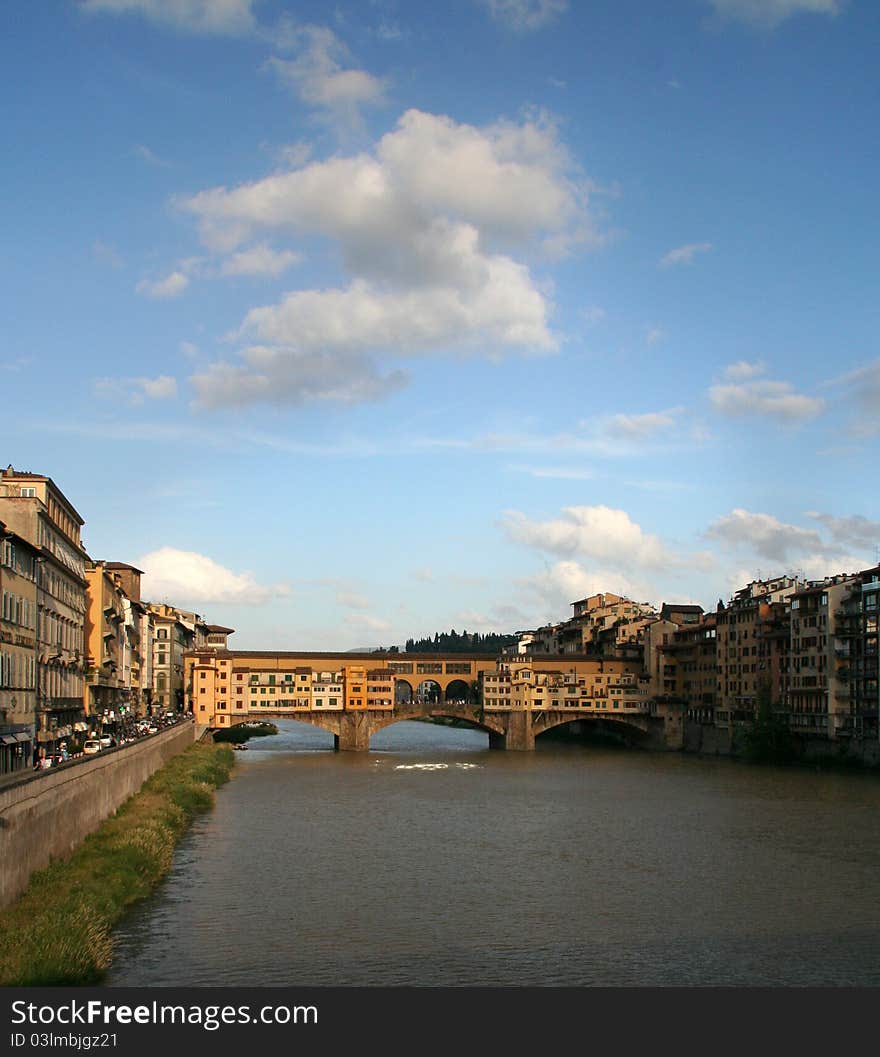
pixel 742 371
pixel 137 390
pixel 556 587
pixel 172 285
pixel 428 226
pixel 862 389
pixel 761 396
pixel 684 254
pixel 526 15
pixel 185 577
pixel 769 13
pixel 764 534
pixel 162 388
pixel 640 427
pixel 598 532
pixel 259 260
pixel 854 531
pixel 288 376
pixel 222 17
pixel 320 77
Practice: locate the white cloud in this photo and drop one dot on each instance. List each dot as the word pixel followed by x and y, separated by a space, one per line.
pixel 640 427
pixel 499 308
pixel 185 577
pixel 593 315
pixel 562 473
pixel 425 575
pixel 150 156
pixel 599 532
pixel 770 13
pixel 684 254
pixel 557 586
pixel 171 286
pixel 136 390
pixel 764 534
pixel 862 388
pixel 526 15
pixel 853 531
pixel 426 177
pixel 260 260
pixel 654 334
pixel 742 370
pixel 162 388
pixel 761 396
pixel 222 17
pixel 427 226
pixel 319 77
pixel 287 376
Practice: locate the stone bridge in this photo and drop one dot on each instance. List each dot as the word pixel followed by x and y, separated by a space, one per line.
pixel 514 729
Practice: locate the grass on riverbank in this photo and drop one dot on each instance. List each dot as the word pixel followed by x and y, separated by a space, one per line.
pixel 59 931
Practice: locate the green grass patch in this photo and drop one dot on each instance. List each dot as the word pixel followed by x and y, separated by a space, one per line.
pixel 59 932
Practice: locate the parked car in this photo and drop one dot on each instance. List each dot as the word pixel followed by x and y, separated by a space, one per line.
pixel 106 741
pixel 92 746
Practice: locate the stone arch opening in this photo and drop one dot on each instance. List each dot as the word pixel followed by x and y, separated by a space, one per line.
pixel 429 692
pixel 403 692
pixel 458 692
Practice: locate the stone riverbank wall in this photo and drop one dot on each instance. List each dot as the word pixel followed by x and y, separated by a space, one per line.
pixel 46 814
pixel 709 741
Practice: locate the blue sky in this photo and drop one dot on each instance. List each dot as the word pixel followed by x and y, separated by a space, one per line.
pixel 354 323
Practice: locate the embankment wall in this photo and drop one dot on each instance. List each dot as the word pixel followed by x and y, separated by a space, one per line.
pixel 45 815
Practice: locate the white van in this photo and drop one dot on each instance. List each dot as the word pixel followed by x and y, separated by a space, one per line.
pixel 91 747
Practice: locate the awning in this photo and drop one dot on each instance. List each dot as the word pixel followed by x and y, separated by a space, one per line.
pixel 8 739
pixel 23 735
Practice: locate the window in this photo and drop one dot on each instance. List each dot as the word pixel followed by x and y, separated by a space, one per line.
pixel 27 493
pixel 162 633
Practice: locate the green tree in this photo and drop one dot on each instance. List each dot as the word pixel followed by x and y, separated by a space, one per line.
pixel 767 738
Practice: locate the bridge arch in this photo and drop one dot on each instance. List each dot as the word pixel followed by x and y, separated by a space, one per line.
pixel 403 692
pixel 429 692
pixel 473 719
pixel 458 690
pixel 632 728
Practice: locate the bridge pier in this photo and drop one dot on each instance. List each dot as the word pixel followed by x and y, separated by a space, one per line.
pixel 354 733
pixel 519 737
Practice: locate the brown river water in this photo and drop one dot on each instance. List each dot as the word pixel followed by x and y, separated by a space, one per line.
pixel 433 861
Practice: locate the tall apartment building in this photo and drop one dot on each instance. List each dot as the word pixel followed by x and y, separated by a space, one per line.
pixel 605 625
pixel 174 632
pixel 683 666
pixel 817 704
pixel 742 643
pixel 137 662
pixel 105 639
pixel 18 651
pixel 37 511
pixel 856 655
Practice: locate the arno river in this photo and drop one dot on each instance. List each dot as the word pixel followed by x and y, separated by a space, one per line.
pixel 433 861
